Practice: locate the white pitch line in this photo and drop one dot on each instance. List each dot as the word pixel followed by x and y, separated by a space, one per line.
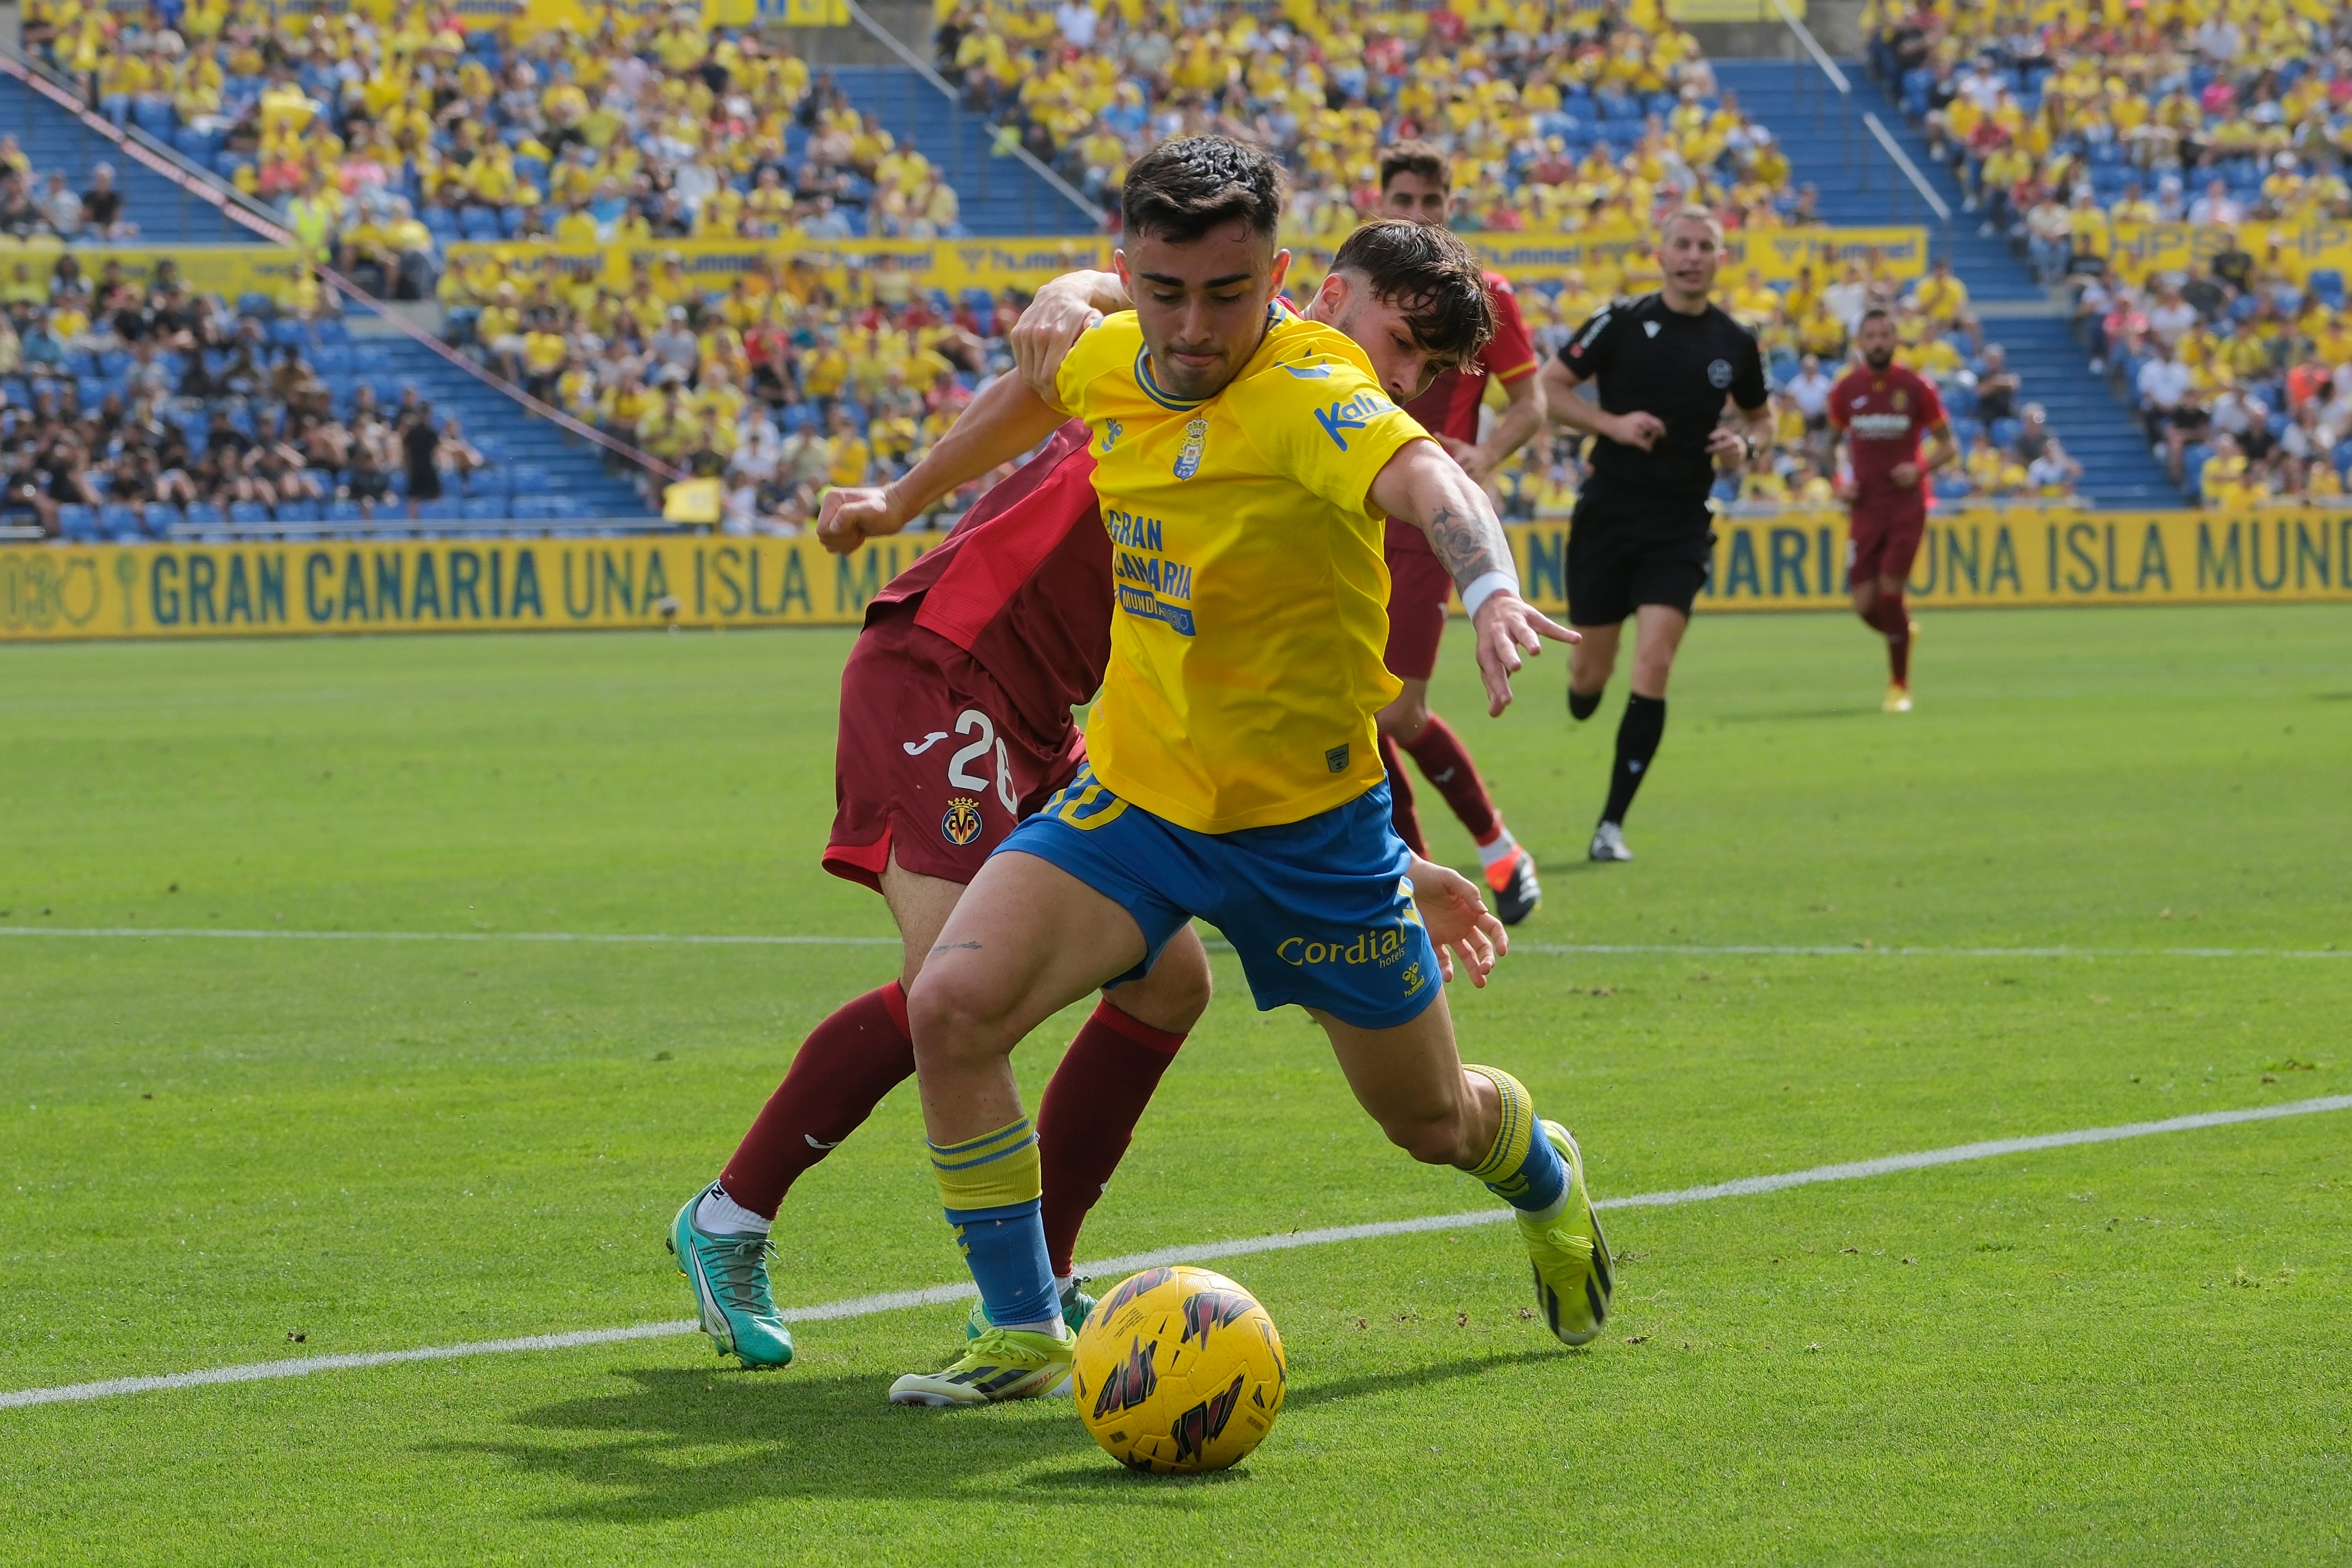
pixel 1567 949
pixel 1207 1252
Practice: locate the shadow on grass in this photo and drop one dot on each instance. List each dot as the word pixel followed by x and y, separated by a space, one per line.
pixel 673 1442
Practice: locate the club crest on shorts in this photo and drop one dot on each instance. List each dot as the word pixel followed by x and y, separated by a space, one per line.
pixel 1719 373
pixel 961 825
pixel 1196 440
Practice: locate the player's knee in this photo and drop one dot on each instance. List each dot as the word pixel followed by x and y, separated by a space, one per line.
pixel 956 1015
pixel 1432 1136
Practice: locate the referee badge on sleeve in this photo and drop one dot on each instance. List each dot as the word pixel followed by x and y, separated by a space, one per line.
pixel 1719 373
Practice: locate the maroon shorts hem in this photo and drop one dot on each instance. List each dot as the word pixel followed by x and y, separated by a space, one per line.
pixel 1883 546
pixel 1420 589
pixel 930 768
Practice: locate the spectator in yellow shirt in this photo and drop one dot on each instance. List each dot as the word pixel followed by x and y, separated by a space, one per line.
pixel 853 457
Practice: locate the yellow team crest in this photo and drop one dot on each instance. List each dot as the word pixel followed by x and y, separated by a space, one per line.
pixel 961 825
pixel 1902 400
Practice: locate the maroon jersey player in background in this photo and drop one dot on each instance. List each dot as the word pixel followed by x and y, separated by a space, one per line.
pixel 1882 410
pixel 1417 182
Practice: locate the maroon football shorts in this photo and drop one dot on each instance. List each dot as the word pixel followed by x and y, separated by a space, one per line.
pixel 1880 542
pixel 1419 590
pixel 932 764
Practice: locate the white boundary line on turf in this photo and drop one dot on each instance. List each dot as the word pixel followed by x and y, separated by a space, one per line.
pixel 1571 950
pixel 1208 1252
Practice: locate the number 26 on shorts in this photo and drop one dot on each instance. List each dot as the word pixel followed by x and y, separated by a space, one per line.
pixel 973 721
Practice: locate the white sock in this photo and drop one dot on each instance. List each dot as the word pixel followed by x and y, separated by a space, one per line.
pixel 1545 1215
pixel 1053 1326
pixel 1065 1283
pixel 1502 850
pixel 718 1214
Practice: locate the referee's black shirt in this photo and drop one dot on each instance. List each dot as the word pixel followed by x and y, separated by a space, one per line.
pixel 1647 358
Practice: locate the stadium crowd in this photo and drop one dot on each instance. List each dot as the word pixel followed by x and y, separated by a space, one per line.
pixel 130 409
pixel 1561 117
pixel 379 144
pixel 2068 124
pixel 382 144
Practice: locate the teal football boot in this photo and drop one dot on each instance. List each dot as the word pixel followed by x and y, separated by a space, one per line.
pixel 1076 1305
pixel 730 1276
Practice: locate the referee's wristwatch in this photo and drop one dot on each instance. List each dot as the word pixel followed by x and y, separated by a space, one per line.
pixel 1748 445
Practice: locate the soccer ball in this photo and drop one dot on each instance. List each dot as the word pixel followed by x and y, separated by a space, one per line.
pixel 1178 1371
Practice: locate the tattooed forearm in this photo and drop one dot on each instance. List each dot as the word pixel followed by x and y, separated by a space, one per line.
pixel 1468 539
pixel 1422 486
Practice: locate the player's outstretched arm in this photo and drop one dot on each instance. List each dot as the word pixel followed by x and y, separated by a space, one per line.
pixel 1422 486
pixel 1005 421
pixel 1460 925
pixel 1058 312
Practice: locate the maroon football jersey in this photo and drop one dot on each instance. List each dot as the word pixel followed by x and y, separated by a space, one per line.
pixel 1884 414
pixel 1450 406
pixel 1031 602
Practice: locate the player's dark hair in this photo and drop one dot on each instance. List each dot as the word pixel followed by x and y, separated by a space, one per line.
pixel 1414 157
pixel 1181 190
pixel 1880 311
pixel 1430 277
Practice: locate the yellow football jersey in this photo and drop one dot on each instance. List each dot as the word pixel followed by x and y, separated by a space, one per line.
pixel 1252 602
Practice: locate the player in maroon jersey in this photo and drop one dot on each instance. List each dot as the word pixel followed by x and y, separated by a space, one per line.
pixel 1882 410
pixel 955 723
pixel 1417 182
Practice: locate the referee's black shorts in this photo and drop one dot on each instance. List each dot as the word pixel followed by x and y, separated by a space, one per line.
pixel 1622 553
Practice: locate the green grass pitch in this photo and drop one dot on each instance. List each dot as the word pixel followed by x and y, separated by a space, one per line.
pixel 2136 1351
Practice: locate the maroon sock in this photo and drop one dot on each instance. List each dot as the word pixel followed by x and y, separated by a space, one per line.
pixel 1447 764
pixel 1401 813
pixel 1894 620
pixel 1089 1112
pixel 845 1067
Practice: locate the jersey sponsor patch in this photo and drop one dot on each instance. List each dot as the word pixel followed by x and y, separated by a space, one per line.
pixel 1356 413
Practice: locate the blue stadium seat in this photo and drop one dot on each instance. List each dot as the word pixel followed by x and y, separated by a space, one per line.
pixel 487 509
pixel 344 510
pixel 78 522
pixel 248 512
pixel 117 523
pixel 442 511
pixel 302 509
pixel 204 514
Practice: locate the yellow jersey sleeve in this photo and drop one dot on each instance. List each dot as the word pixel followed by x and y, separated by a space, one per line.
pixel 1107 349
pixel 1319 417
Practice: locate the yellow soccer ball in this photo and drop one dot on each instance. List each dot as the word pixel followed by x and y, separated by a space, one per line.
pixel 1178 1371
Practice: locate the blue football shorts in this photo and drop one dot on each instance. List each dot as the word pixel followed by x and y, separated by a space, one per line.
pixel 1321 910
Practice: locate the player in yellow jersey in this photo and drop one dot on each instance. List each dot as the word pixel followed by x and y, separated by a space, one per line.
pixel 1247 459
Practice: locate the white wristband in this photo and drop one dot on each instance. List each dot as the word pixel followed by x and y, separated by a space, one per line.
pixel 1485 586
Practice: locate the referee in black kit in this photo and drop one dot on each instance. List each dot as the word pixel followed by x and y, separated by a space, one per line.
pixel 1639 540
